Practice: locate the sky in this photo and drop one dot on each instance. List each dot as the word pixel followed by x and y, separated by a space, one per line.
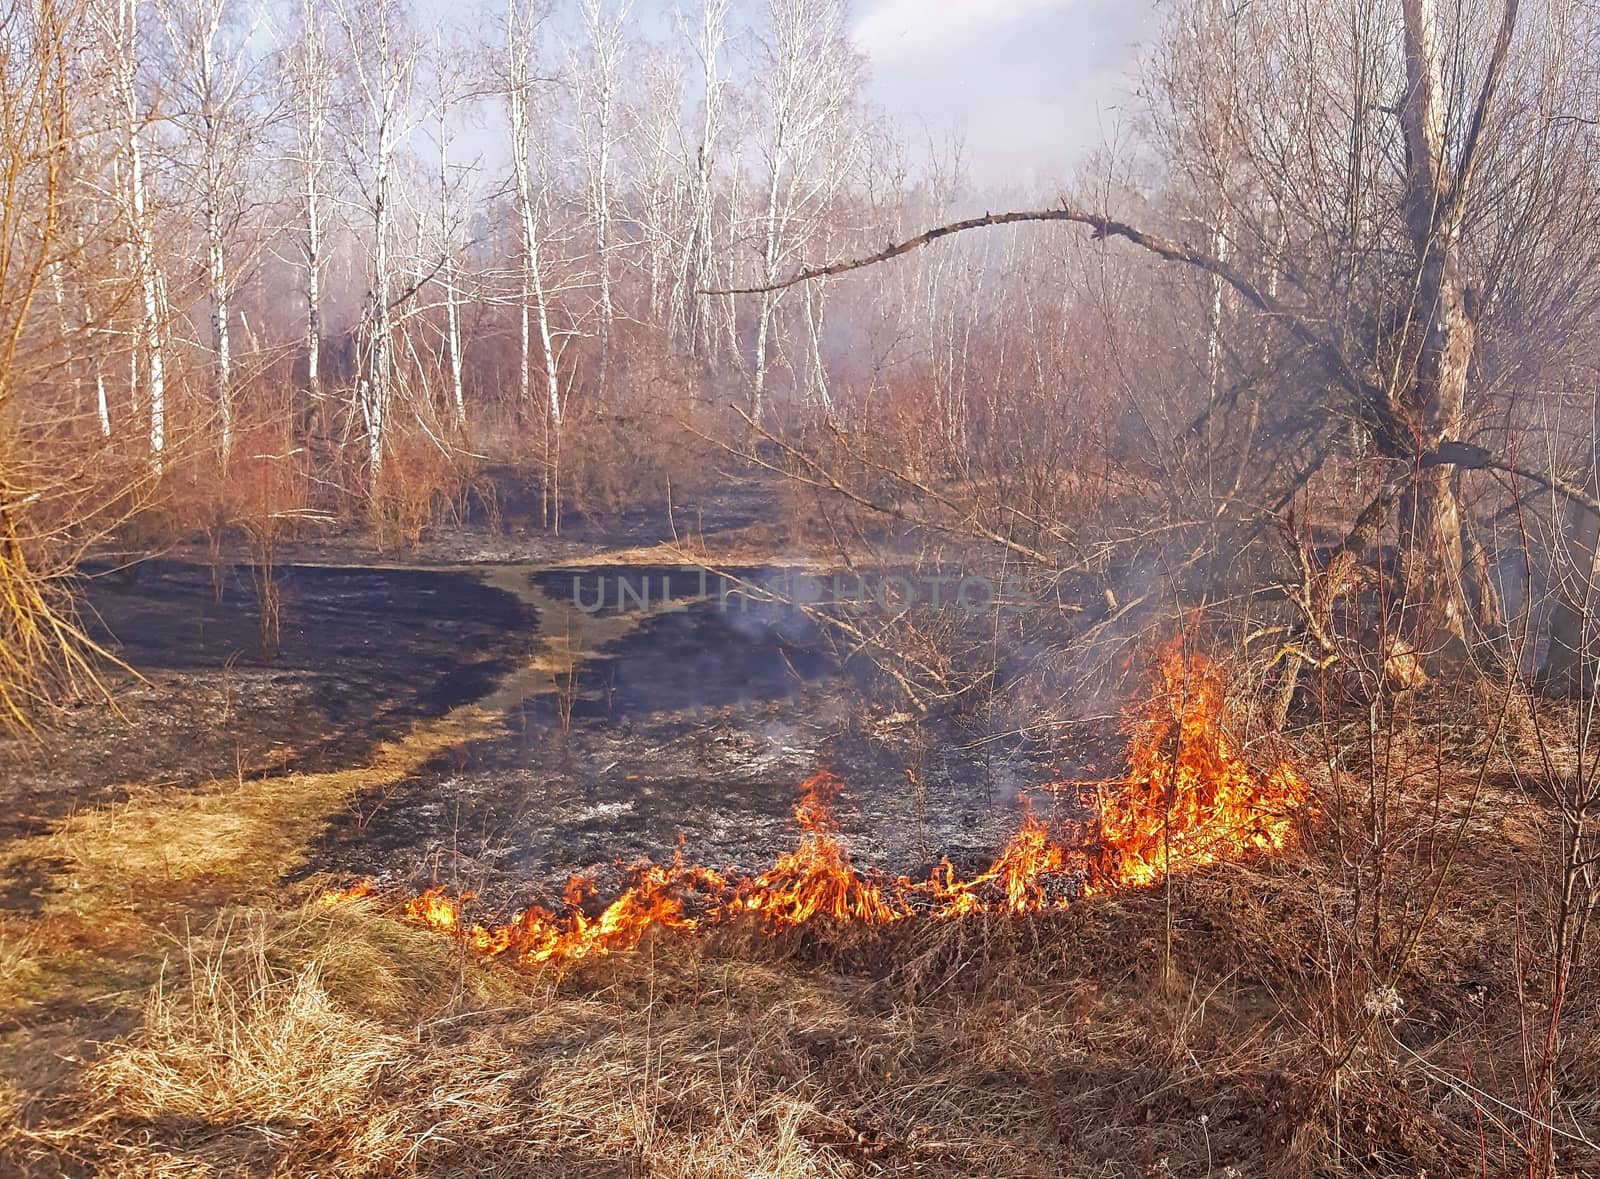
pixel 1027 86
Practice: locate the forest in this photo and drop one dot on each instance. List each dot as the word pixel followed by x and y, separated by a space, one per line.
pixel 577 597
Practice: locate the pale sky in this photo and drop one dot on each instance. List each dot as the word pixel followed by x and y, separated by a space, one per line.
pixel 1028 85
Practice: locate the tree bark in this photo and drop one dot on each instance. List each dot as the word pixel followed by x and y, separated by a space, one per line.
pixel 1570 660
pixel 1428 403
pixel 150 283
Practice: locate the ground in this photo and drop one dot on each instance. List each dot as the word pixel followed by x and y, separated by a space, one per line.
pixel 176 999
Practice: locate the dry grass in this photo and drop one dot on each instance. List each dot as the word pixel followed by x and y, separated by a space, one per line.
pixel 324 1042
pixel 315 1041
pixel 20 965
pixel 267 1047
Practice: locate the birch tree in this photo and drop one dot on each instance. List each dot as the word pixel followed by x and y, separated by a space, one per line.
pixel 698 270
pixel 310 72
pixel 522 23
pixel 598 76
pixel 808 78
pixel 119 26
pixel 451 89
pixel 207 87
pixel 660 202
pixel 382 56
pixel 44 655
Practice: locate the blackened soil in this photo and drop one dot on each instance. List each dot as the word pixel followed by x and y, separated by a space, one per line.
pixel 363 653
pixel 714 646
pixel 693 713
pixel 697 723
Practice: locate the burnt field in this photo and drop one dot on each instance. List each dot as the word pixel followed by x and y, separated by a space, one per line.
pixel 819 589
pixel 364 654
pixel 689 717
pixel 623 720
pixel 501 826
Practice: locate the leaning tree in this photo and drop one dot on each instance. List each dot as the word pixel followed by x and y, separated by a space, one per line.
pixel 1397 214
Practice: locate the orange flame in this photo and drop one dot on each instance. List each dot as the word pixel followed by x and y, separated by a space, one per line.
pixel 816 879
pixel 338 896
pixel 1187 800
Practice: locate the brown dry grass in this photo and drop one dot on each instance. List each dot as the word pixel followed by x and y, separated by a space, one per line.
pixel 20 963
pixel 343 1042
pixel 310 1041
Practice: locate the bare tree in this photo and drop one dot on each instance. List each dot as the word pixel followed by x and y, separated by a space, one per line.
pixel 522 23
pixel 44 654
pixel 598 76
pixel 697 259
pixel 660 212
pixel 120 27
pixel 207 80
pixel 382 57
pixel 310 70
pixel 452 89
pixel 1353 255
pixel 808 77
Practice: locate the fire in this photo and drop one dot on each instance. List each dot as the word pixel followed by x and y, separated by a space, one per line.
pixel 1187 800
pixel 1019 881
pixel 816 879
pixel 338 896
pixel 437 910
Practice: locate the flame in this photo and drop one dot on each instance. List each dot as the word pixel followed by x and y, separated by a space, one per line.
pixel 436 909
pixel 1187 800
pixel 338 896
pixel 817 879
pixel 1019 881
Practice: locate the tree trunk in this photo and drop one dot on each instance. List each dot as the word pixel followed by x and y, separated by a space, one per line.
pixel 1429 408
pixel 447 278
pixel 1431 560
pixel 376 402
pixel 221 355
pixel 312 81
pixel 769 274
pixel 150 320
pixel 1570 660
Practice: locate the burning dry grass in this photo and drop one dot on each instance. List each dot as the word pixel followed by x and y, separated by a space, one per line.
pixel 334 1040
pixel 1187 800
pixel 1234 1017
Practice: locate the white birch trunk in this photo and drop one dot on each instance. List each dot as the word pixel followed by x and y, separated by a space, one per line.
pixel 599 95
pixel 216 250
pixel 151 322
pixel 383 69
pixel 447 275
pixel 519 48
pixel 313 69
pixel 769 275
pixel 700 262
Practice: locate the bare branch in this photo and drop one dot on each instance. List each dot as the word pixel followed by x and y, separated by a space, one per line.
pixel 1491 80
pixel 1368 396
